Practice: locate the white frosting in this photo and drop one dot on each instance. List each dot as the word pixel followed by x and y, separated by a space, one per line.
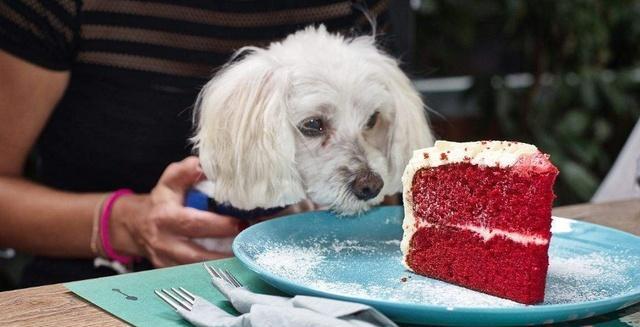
pixel 488 234
pixel 483 153
pixel 409 222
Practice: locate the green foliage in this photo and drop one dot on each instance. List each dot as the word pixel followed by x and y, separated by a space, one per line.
pixel 584 59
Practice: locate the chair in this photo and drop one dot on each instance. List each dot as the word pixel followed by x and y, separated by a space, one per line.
pixel 623 180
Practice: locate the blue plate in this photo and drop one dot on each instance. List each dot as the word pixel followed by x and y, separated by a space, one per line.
pixel 593 270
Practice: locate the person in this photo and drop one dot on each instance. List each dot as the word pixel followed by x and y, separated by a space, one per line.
pixel 96 97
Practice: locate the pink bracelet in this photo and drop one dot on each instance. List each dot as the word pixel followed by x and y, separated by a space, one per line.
pixel 104 227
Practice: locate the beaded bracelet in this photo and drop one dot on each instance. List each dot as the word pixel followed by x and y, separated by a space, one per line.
pixel 104 227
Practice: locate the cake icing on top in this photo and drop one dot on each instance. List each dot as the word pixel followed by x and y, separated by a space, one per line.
pixel 472 207
pixel 483 153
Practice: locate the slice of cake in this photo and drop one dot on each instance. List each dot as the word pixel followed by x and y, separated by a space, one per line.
pixel 478 214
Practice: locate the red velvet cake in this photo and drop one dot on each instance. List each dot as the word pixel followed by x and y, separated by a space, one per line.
pixel 478 215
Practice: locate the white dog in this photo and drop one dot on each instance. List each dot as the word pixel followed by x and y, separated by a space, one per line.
pixel 317 116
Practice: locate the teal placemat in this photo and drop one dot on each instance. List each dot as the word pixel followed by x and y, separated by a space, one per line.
pixel 147 309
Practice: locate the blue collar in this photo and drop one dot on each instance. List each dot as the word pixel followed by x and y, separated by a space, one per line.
pixel 199 200
pixel 228 210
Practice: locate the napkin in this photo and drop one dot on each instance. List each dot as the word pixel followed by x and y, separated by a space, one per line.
pixel 259 310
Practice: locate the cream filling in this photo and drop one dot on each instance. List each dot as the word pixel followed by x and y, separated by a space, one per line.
pixel 520 238
pixel 488 233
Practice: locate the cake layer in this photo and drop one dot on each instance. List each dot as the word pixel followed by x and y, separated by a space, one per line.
pixel 498 266
pixel 485 197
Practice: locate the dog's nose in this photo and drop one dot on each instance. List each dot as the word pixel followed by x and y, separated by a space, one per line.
pixel 366 185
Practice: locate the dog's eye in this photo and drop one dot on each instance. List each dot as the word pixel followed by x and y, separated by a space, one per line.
pixel 372 120
pixel 312 127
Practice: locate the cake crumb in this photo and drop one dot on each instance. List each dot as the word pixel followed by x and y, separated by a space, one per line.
pixel 443 156
pixel 425 155
pixel 403 279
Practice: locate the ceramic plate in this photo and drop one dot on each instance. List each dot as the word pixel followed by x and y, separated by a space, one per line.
pixel 593 270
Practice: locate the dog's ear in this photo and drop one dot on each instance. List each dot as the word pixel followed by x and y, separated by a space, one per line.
pixel 410 127
pixel 244 139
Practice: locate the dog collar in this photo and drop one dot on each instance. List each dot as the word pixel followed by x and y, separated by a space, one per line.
pixel 199 200
pixel 228 210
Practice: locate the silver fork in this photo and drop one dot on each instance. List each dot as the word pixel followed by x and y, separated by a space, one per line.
pixel 180 298
pixel 223 274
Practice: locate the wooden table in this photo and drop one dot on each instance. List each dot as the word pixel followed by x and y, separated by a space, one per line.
pixel 54 305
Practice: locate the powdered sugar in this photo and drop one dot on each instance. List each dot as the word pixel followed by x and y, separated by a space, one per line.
pixel 586 267
pixel 291 261
pixel 339 246
pixel 372 269
pixel 414 290
pixel 580 278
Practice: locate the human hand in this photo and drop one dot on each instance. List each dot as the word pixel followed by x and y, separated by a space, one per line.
pixel 158 226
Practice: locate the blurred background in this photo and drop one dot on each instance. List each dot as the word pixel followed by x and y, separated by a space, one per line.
pixel 563 75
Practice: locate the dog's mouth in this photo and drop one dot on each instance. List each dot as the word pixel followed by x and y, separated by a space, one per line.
pixel 359 190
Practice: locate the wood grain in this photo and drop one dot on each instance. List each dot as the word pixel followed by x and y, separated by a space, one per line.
pixel 56 306
pixel 51 305
pixel 622 215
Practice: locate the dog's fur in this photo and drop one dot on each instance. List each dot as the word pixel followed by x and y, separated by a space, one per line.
pixel 248 118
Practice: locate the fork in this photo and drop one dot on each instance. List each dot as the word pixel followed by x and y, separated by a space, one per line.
pixel 196 310
pixel 180 298
pixel 222 274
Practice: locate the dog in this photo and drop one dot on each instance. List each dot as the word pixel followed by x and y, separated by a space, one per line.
pixel 316 116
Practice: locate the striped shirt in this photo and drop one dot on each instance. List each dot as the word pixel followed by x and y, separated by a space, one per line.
pixel 161 41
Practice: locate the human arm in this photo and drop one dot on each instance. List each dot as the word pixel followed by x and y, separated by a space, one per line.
pixel 27 98
pixel 45 221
